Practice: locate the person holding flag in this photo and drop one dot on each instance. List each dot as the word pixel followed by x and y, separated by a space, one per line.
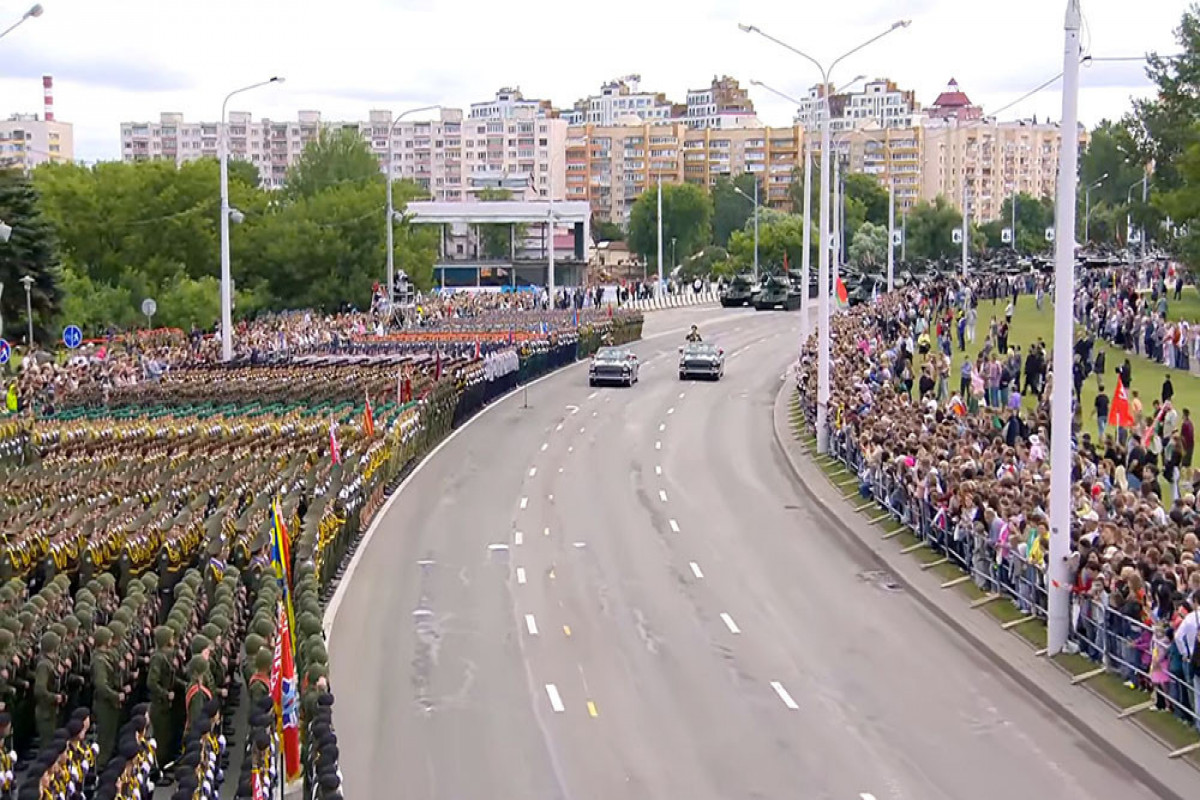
pixel 843 298
pixel 368 417
pixel 335 450
pixel 283 670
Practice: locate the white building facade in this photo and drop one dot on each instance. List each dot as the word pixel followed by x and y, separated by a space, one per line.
pixel 27 140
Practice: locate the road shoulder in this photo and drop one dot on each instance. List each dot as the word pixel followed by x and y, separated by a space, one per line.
pixel 1094 719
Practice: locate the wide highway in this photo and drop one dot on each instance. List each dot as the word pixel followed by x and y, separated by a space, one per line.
pixel 620 593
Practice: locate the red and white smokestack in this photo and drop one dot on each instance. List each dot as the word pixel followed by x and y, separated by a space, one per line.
pixel 48 93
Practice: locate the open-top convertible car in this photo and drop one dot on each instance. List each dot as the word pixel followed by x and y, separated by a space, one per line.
pixel 701 360
pixel 613 365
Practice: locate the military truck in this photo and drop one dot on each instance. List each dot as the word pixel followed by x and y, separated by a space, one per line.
pixel 739 292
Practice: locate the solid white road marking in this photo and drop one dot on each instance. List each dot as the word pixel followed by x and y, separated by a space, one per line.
pixel 532 471
pixel 593 394
pixel 674 525
pixel 866 796
pixel 696 569
pixel 662 495
pixel 581 545
pixel 658 445
pixel 555 701
pixel 426 562
pixel 544 446
pixel 531 624
pixel 729 623
pixel 658 470
pixel 524 502
pixel 518 538
pixel 662 426
pixel 497 547
pixel 521 575
pixel 790 703
pixel 671 410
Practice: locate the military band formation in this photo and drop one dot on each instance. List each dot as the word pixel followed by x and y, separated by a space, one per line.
pixel 144 522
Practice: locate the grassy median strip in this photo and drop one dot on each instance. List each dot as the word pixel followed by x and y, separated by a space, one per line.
pixel 1165 726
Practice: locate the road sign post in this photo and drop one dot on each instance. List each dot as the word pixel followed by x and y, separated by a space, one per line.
pixel 72 336
pixel 5 352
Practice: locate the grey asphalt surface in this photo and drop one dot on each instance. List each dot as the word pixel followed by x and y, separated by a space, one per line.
pixel 619 593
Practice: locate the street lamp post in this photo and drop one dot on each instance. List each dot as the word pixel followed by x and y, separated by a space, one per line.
pixel 1087 205
pixel 823 354
pixel 753 200
pixel 658 289
pixel 674 262
pixel 34 11
pixel 891 230
pixel 391 211
pixel 1059 616
pixel 226 274
pixel 966 229
pixel 27 281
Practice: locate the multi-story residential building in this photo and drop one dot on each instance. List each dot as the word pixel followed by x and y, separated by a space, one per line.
pixel 770 153
pixel 507 103
pixel 724 104
pixel 880 103
pixel 271 145
pixel 953 104
pixel 892 155
pixel 622 102
pixel 27 140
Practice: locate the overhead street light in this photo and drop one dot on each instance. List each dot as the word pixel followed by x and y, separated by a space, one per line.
pixel 34 11
pixel 753 200
pixel 226 214
pixel 27 282
pixel 823 354
pixel 391 212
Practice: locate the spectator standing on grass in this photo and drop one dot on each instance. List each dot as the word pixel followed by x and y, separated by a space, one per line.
pixel 1168 389
pixel 1187 438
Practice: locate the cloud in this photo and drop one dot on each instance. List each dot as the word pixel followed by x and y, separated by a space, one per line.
pixel 111 71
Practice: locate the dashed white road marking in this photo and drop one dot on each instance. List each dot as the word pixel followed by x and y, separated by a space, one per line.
pixel 580 545
pixel 674 525
pixel 866 796
pixel 555 701
pixel 592 395
pixel 531 624
pixel 496 547
pixel 790 703
pixel 662 495
pixel 544 446
pixel 422 612
pixel 696 569
pixel 521 575
pixel 658 445
pixel 550 497
pixel 658 470
pixel 426 562
pixel 518 538
pixel 594 413
pixel 524 502
pixel 532 471
pixel 560 469
pixel 729 623
pixel 570 449
pixel 681 394
pixel 545 531
pixel 559 428
pixel 662 426
pixel 582 429
pixel 671 410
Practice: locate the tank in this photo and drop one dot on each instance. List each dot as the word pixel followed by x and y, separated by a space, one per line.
pixel 739 292
pixel 778 291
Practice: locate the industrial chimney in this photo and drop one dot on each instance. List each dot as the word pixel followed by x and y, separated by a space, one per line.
pixel 48 92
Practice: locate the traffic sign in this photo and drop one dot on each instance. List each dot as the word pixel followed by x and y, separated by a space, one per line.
pixel 5 351
pixel 1049 234
pixel 1006 235
pixel 149 307
pixel 72 336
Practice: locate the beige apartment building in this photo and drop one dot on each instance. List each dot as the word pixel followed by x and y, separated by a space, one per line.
pixel 27 140
pixel 771 153
pixel 890 154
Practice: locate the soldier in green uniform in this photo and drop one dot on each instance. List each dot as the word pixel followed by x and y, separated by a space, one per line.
pixel 259 685
pixel 106 694
pixel 198 693
pixel 47 694
pixel 160 684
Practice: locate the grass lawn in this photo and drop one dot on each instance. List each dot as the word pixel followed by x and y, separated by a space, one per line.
pixel 1187 307
pixel 1029 325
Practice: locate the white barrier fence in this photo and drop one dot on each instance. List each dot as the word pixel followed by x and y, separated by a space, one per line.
pixel 677 300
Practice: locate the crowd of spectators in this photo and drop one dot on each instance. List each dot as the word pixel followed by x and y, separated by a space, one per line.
pixel 967 465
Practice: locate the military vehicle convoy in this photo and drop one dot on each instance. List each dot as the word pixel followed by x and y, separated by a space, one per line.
pixel 779 291
pixel 739 292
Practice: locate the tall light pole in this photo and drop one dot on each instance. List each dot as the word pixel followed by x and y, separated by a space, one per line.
pixel 226 275
pixel 966 226
pixel 27 281
pixel 823 355
pixel 1064 301
pixel 753 200
pixel 34 11
pixel 1087 205
pixel 891 230
pixel 391 211
pixel 659 287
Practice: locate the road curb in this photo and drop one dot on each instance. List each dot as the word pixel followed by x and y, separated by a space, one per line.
pixel 1061 707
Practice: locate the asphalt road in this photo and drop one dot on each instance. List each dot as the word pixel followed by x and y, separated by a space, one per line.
pixel 619 593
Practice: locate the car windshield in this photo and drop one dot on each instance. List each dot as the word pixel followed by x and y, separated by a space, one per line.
pixel 611 354
pixel 700 349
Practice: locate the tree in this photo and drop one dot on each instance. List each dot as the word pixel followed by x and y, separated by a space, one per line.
pixel 730 209
pixel 687 218
pixel 1034 215
pixel 711 260
pixel 930 230
pixel 334 157
pixel 605 231
pixel 31 250
pixel 866 201
pixel 869 246
pixel 778 234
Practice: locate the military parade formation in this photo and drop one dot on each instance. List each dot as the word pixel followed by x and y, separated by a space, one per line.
pixel 172 530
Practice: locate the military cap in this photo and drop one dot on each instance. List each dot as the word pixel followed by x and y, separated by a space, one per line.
pixel 263 659
pixel 58 628
pixel 50 641
pixel 139 712
pixel 210 631
pixel 74 728
pixel 102 636
pixel 6 639
pixel 118 628
pixel 129 747
pixel 71 623
pixel 199 643
pixel 197 667
pixel 329 782
pixel 123 614
pixel 163 636
pixel 261 740
pixel 37 602
pixel 264 627
pixel 81 713
pixel 150 582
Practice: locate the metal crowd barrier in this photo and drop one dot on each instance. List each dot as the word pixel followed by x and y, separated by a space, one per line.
pixel 1115 642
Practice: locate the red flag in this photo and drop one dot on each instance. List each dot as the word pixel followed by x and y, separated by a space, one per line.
pixel 259 785
pixel 1119 414
pixel 437 370
pixel 785 264
pixel 843 298
pixel 335 450
pixel 1148 435
pixel 478 351
pixel 368 417
pixel 287 702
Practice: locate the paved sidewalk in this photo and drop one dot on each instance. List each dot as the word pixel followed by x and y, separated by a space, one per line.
pixel 1095 720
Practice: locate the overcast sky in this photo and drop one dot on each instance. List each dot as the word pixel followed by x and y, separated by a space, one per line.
pixel 128 60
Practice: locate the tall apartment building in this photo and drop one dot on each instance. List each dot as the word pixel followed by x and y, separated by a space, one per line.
pixel 724 104
pixel 27 140
pixel 622 102
pixel 611 166
pixel 890 154
pixel 509 102
pixel 880 103
pixel 271 145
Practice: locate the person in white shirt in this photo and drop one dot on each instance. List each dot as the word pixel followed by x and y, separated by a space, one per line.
pixel 1186 641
